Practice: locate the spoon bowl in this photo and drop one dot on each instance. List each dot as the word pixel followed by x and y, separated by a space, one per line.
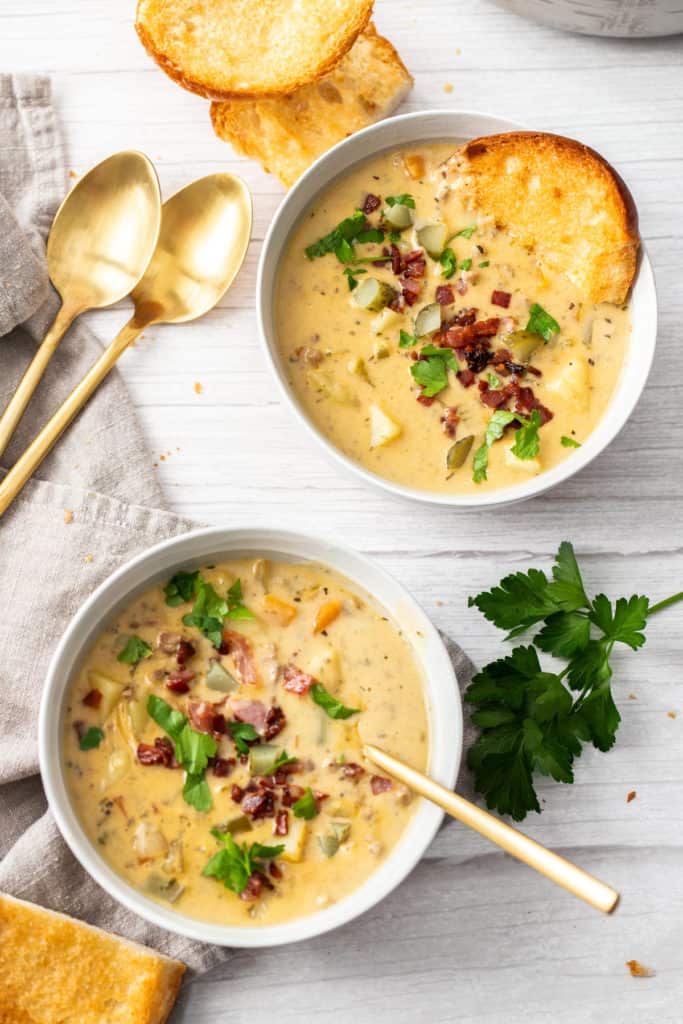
pixel 205 231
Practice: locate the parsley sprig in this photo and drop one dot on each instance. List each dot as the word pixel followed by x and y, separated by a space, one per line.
pixel 533 720
pixel 192 750
pixel 209 610
pixel 527 441
pixel 234 865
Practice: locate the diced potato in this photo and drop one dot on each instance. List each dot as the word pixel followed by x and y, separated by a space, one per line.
pixel 259 570
pixel 110 689
pixel 384 321
pixel 573 382
pixel 326 667
pixel 117 766
pixel 357 367
pixel 530 466
pixel 280 611
pixel 295 841
pixel 383 429
pixel 326 614
pixel 380 350
pixel 324 382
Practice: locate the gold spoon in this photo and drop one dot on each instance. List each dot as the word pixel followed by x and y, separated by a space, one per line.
pixel 205 230
pixel 547 863
pixel 101 240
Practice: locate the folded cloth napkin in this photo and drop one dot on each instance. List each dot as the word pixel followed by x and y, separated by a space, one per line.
pixel 69 529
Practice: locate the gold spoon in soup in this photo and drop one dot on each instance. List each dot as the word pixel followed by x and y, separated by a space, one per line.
pixel 205 231
pixel 538 857
pixel 100 242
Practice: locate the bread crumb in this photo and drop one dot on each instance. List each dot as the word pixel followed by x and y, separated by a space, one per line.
pixel 68 516
pixel 671 714
pixel 438 603
pixel 72 174
pixel 639 970
pixel 163 458
pixel 632 696
pixel 198 387
pixel 448 87
pixel 88 558
pixel 631 796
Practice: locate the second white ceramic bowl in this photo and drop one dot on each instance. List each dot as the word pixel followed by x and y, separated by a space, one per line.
pixel 191 551
pixel 409 129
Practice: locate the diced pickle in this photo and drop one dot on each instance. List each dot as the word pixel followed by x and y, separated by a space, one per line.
pixel 331 841
pixel 428 320
pixel 166 888
pixel 398 216
pixel 329 844
pixel 432 237
pixel 237 825
pixel 522 344
pixel 458 452
pixel 218 678
pixel 373 294
pixel 341 829
pixel 262 758
pixel 357 367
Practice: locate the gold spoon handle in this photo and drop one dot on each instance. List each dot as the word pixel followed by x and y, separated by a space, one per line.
pixel 29 382
pixel 27 463
pixel 547 863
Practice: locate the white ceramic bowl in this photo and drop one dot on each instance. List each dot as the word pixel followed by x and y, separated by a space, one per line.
pixel 391 134
pixel 191 551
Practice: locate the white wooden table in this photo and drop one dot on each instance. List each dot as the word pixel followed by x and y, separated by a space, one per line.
pixel 473 937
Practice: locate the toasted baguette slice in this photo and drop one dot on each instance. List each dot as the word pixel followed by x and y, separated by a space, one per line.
pixel 55 969
pixel 559 198
pixel 287 134
pixel 226 48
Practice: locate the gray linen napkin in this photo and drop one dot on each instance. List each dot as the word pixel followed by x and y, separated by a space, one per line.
pixel 49 566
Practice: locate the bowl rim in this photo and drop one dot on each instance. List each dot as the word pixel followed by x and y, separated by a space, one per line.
pixel 330 165
pixel 443 701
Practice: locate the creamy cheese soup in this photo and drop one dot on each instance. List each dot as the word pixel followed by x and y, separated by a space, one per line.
pixel 212 746
pixel 427 344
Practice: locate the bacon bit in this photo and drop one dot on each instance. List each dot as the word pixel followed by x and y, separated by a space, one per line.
pixel 631 796
pixel 185 651
pixel 639 970
pixel 411 291
pixel 275 870
pixel 260 804
pixel 275 722
pixel 534 370
pixel 492 398
pixel 243 656
pixel 161 753
pixel 291 793
pixel 486 328
pixel 444 295
pixel 352 771
pixel 527 402
pixel 371 203
pixel 251 711
pixel 93 698
pixel 396 259
pixel 284 771
pixel 222 766
pixel 281 826
pixel 297 681
pixel 179 682
pixel 205 718
pixel 426 399
pixel 236 794
pixel 253 888
pixel 461 286
pixel 319 797
pixel 168 642
pixel 414 264
pixel 79 729
pixel 466 378
pixel 501 299
pixel 463 318
pixel 450 420
pixel 378 784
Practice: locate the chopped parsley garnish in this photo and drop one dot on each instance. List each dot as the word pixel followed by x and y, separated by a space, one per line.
pixel 234 865
pixel 402 200
pixel 135 650
pixel 242 732
pixel 569 442
pixel 466 232
pixel 466 264
pixel 394 236
pixel 406 340
pixel 330 705
pixel 541 322
pixel 192 750
pixel 431 370
pixel 352 274
pixel 533 720
pixel 486 263
pixel 527 441
pixel 494 382
pixel 371 235
pixel 449 262
pixel 210 610
pixel 344 251
pixel 91 738
pixel 306 807
pixel 180 588
pixel 282 759
pixel 345 231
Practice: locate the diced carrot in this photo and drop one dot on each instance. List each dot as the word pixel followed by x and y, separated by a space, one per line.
pixel 280 610
pixel 326 614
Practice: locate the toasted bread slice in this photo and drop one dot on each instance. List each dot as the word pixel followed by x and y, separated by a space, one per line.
pixel 226 48
pixel 559 198
pixel 55 969
pixel 287 134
